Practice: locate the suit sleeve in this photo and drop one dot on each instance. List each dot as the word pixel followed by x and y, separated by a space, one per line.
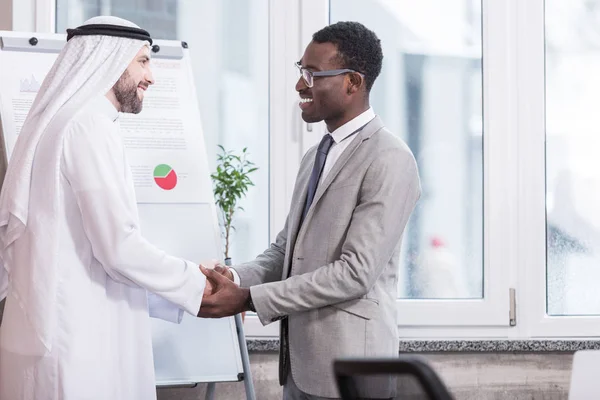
pixel 267 267
pixel 94 165
pixel 388 195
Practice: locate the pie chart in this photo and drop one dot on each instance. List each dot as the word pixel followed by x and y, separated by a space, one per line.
pixel 165 177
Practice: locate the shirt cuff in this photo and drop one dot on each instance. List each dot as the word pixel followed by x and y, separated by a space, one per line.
pixel 236 277
pixel 192 306
pixel 164 309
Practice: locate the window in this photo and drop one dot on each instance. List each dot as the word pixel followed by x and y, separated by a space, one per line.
pixel 430 94
pixel 444 75
pixel 228 43
pixel 496 98
pixel 572 162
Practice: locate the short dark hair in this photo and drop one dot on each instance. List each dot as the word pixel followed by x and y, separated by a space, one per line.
pixel 358 47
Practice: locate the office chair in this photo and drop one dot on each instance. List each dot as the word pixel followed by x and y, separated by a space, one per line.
pixel 350 373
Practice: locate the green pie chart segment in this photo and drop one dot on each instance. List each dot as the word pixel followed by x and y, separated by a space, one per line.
pixel 165 177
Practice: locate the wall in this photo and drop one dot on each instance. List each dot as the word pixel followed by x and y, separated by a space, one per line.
pixel 469 376
pixel 6 15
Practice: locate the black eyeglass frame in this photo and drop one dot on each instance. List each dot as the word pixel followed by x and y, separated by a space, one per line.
pixel 310 75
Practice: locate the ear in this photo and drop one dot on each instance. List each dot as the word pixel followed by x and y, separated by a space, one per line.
pixel 355 82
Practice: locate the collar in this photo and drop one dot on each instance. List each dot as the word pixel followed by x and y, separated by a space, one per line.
pixel 353 125
pixel 103 106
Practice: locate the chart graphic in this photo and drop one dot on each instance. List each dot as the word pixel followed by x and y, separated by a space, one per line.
pixel 165 177
pixel 30 85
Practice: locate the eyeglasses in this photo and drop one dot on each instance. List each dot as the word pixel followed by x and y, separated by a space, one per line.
pixel 308 76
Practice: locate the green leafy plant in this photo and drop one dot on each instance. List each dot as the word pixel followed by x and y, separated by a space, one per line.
pixel 231 182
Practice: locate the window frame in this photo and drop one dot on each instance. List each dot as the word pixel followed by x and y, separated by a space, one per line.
pixel 532 188
pixel 30 15
pixel 514 167
pixel 424 315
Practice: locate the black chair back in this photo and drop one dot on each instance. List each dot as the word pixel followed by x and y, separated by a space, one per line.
pixel 412 378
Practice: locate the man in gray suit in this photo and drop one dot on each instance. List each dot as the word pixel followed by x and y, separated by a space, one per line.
pixel 331 276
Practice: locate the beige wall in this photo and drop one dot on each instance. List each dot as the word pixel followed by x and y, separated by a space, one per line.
pixel 469 376
pixel 6 15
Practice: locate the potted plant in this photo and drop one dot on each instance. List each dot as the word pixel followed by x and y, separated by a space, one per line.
pixel 231 182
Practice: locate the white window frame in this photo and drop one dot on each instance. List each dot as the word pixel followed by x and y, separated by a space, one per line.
pixel 284 129
pixel 425 317
pixel 532 191
pixel 291 25
pixel 514 167
pixel 45 15
pixel 499 110
pixel 29 15
pixel 418 318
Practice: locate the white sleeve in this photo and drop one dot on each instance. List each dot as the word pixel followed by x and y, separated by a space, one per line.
pixel 236 277
pixel 162 309
pixel 3 281
pixel 94 165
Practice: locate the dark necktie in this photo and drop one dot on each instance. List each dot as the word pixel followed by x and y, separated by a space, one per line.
pixel 322 150
pixel 317 170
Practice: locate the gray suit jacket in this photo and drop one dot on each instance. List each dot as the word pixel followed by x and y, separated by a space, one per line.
pixel 340 296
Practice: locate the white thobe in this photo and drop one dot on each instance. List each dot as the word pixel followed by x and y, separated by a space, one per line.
pixel 102 349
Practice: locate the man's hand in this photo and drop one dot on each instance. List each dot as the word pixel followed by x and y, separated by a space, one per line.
pixel 219 267
pixel 226 298
pixel 208 289
pixel 224 270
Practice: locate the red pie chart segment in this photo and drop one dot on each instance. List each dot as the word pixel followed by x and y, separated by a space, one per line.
pixel 165 177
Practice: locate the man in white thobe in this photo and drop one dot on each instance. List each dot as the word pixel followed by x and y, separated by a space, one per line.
pixel 76 271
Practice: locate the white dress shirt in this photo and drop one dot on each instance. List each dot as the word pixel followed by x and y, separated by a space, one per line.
pixel 342 137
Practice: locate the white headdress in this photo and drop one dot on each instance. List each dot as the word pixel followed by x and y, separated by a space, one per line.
pixel 95 56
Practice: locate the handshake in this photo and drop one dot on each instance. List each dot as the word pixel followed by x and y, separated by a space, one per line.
pixel 218 267
pixel 222 297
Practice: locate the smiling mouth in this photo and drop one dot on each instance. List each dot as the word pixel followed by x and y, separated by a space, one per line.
pixel 305 103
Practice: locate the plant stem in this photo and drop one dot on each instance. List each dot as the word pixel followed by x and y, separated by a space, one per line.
pixel 227 229
pixel 227 241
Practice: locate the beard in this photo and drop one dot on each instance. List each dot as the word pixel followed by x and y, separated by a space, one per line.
pixel 126 93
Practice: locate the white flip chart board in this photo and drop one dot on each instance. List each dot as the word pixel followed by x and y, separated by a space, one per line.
pixel 165 147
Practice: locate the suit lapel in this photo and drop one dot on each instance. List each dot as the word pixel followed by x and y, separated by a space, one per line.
pixel 297 206
pixel 301 189
pixel 368 131
pixel 299 203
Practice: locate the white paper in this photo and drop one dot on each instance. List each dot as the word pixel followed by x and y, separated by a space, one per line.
pixel 18 88
pixel 166 132
pixel 166 136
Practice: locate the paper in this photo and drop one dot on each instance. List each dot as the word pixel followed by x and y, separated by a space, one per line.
pixel 18 88
pixel 163 142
